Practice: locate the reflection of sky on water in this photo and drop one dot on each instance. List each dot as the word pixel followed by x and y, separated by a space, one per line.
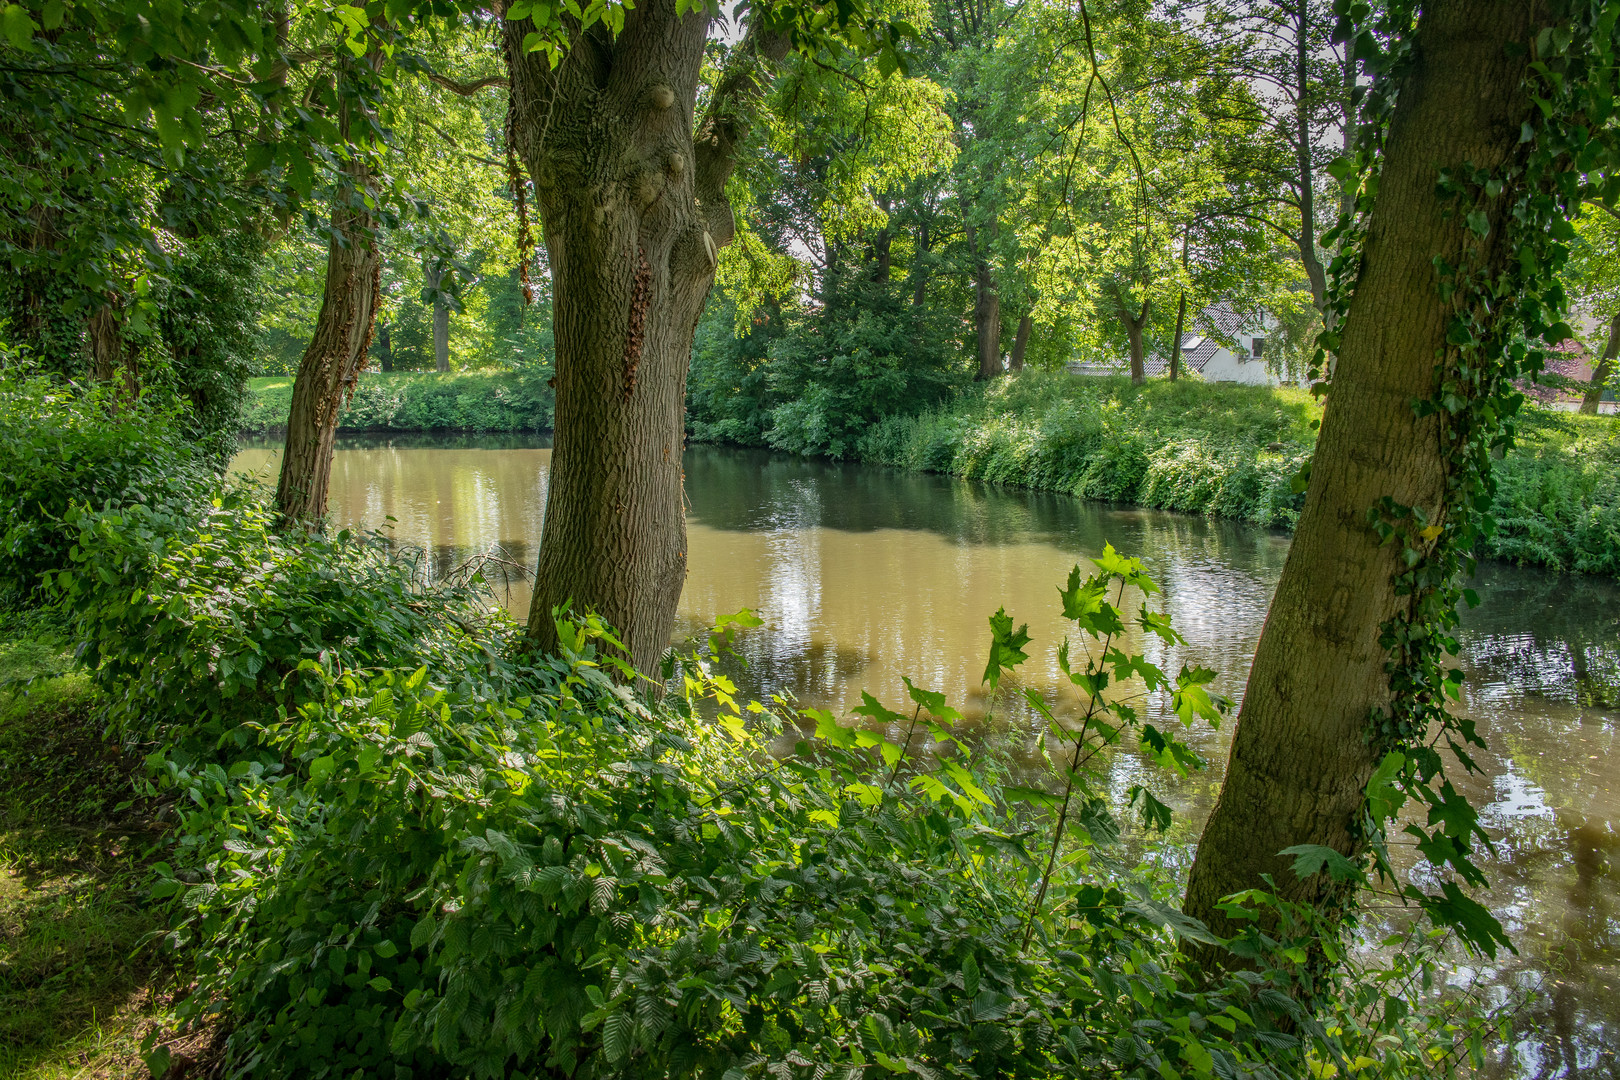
pixel 864 575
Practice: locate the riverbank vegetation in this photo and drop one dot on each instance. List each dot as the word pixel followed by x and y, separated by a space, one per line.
pixel 345 823
pixel 388 832
pixel 463 402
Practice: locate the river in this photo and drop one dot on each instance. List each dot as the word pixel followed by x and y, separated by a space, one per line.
pixel 866 575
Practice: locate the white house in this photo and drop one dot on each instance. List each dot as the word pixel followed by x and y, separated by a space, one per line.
pixel 1222 346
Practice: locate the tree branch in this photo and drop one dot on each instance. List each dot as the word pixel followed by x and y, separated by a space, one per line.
pixel 726 121
pixel 468 89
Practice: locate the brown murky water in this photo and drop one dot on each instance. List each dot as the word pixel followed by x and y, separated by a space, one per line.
pixel 864 575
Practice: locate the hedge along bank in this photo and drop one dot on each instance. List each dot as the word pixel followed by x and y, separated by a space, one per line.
pixel 405 845
pixel 418 401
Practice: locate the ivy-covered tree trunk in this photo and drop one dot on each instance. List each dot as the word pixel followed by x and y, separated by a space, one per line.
pixel 634 211
pixel 331 365
pixel 112 359
pixel 1301 756
pixel 1602 371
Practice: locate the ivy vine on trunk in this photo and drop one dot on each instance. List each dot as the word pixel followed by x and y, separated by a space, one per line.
pixel 1442 296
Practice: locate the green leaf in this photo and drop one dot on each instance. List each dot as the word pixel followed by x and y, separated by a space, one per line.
pixel 1313 858
pixel 18 28
pixel 1006 647
pixel 1155 815
pixel 618 1036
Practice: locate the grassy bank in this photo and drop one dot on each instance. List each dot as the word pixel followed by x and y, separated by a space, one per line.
pixel 418 401
pixel 1232 451
pixel 82 977
pixel 1199 448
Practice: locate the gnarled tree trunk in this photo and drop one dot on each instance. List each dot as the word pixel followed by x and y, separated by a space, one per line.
pixel 1604 368
pixel 331 364
pixel 634 212
pixel 1300 757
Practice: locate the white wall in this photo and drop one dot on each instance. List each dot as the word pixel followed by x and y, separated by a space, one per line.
pixel 1226 367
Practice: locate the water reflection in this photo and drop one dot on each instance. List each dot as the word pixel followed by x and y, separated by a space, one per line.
pixel 865 575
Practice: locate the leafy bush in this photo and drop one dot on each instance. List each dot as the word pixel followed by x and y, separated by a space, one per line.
pixel 406 846
pixel 69 446
pixel 426 401
pixel 1557 499
pixel 198 620
pixel 1195 447
pixel 813 380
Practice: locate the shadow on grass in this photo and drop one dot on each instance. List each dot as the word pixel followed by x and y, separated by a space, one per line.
pixel 83 975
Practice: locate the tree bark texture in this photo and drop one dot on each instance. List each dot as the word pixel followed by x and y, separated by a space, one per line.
pixel 331 365
pixel 1602 371
pixel 434 273
pixel 111 358
pixel 1020 343
pixel 634 213
pixel 1135 322
pixel 986 310
pixel 1300 757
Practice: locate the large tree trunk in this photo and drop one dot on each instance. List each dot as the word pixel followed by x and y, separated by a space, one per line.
pixel 1020 343
pixel 332 363
pixel 986 310
pixel 634 212
pixel 1300 756
pixel 1604 368
pixel 433 272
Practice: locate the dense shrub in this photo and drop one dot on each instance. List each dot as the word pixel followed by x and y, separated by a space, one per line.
pixel 1558 494
pixel 812 380
pixel 67 445
pixel 219 616
pixel 426 401
pixel 1199 448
